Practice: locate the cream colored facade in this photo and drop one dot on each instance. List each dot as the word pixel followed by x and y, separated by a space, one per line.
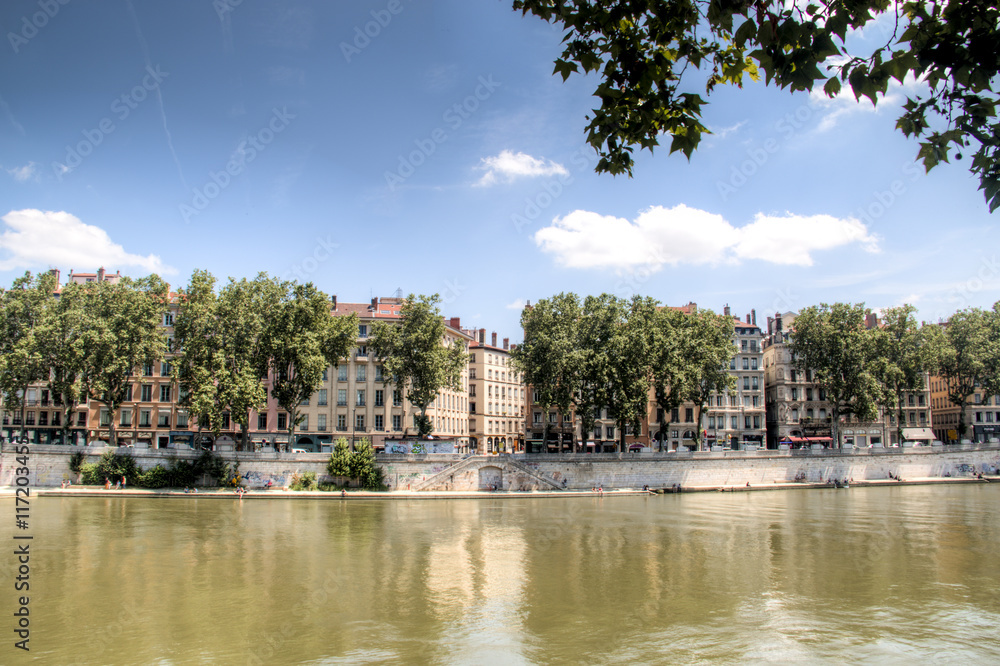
pixel 357 400
pixel 496 397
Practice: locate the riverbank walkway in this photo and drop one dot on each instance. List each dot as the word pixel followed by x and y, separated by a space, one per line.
pixel 354 495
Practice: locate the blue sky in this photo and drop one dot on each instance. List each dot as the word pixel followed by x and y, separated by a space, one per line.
pixel 370 146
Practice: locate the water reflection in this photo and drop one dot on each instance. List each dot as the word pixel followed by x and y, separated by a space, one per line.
pixel 880 574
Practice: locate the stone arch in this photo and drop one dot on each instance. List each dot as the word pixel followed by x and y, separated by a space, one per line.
pixel 490 477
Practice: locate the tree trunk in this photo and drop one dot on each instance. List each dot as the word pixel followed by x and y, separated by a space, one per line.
pixel 621 436
pixel 244 435
pixel 697 428
pixel 292 415
pixel 24 404
pixel 112 435
pixel 961 421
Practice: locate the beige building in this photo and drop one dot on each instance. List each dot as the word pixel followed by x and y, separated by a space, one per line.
pixel 496 397
pixel 358 401
pixel 734 419
pixel 799 414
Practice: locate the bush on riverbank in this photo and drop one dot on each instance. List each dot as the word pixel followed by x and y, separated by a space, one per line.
pixel 304 481
pixel 178 473
pixel 359 464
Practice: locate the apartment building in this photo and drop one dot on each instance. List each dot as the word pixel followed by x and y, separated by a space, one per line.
pixel 496 397
pixel 357 400
pixel 982 414
pixel 799 414
pixel 733 419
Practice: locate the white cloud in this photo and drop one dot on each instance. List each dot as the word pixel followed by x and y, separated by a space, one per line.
pixel 723 132
pixel 683 235
pixel 508 166
pixel 24 173
pixel 37 239
pixel 844 104
pixel 518 304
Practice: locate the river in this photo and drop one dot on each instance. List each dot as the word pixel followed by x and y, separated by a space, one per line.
pixel 881 575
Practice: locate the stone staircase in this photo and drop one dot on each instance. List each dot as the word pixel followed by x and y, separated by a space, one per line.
pixel 525 469
pixel 472 462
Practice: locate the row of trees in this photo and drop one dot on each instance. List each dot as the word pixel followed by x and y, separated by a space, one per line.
pixel 90 341
pixel 865 368
pixel 86 342
pixel 608 352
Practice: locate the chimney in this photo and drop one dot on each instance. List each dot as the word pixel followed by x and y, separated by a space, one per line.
pixel 725 311
pixel 494 343
pixel 871 320
pixel 375 304
pixel 777 322
pixel 748 317
pixel 55 272
pixel 482 336
pixel 506 343
pixel 100 274
pixel 770 325
pixel 456 323
pixel 333 299
pixel 753 316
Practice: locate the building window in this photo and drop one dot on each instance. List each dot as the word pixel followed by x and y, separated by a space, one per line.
pixel 756 422
pixel 163 420
pixel 145 418
pixel 359 421
pixel 397 422
pixel 125 417
pixel 262 422
pixel 746 422
pixel 342 397
pixel 746 383
pixel 379 373
pixel 81 419
pixel 362 330
pixel 304 425
pixel 147 370
pixel 609 432
pixel 753 364
pixel 688 415
pixel 321 422
pixel 182 419
pixel 746 363
pixel 379 399
pixel 164 392
pixel 282 421
pixel 360 398
pixel 321 397
pixel 379 422
pixel 734 423
pixel 397 398
pixel 754 382
pixel 362 373
pixel 165 369
pixel 146 392
pixel 342 373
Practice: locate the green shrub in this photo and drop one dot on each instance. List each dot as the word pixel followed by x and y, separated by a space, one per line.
pixel 155 477
pixel 304 481
pixel 89 475
pixel 76 460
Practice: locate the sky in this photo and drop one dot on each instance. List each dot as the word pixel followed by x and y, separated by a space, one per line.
pixel 426 147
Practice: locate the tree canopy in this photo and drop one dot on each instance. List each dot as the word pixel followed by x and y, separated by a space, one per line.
pixel 416 356
pixel 655 58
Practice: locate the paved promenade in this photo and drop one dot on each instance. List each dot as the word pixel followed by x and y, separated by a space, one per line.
pixel 219 494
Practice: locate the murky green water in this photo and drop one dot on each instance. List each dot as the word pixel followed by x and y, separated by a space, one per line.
pixel 881 575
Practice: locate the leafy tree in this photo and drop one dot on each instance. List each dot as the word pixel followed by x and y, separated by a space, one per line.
pixel 900 359
pixel 965 357
pixel 244 310
pixel 364 468
pixel 63 341
pixel 669 354
pixel 549 358
pixel 303 340
pixel 416 355
pixel 647 53
pixel 833 341
pixel 125 317
pixel 23 310
pixel 200 363
pixel 340 460
pixel 615 338
pixel 708 342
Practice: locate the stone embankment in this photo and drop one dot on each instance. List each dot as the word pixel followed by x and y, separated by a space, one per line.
pixel 49 468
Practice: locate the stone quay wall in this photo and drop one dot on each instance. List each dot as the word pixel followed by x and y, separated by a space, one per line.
pixel 49 467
